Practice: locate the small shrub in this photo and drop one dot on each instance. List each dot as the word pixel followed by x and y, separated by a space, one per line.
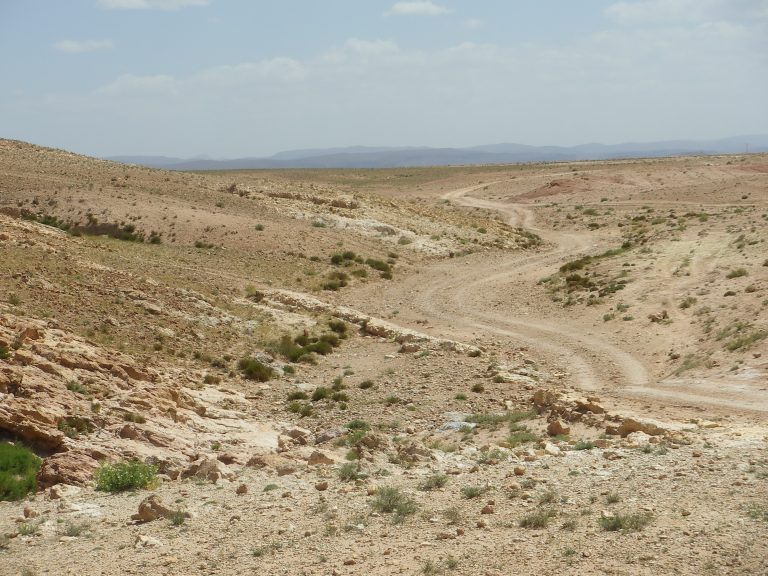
pixel 625 522
pixel 584 445
pixel 252 369
pixel 452 515
pixel 76 387
pixel 73 426
pixel 18 471
pixel 259 227
pixel 298 395
pixel 125 476
pixel 737 273
pixel 75 529
pixel 613 498
pixel 321 393
pixel 358 425
pixel 177 517
pixel 470 492
pixel 349 471
pixel 478 388
pixel 688 302
pixel 338 326
pixel 389 499
pixel 365 384
pixel 270 487
pixel 745 341
pixel 134 417
pixel 537 520
pixel 434 481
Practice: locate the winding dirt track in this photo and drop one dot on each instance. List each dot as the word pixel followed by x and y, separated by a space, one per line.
pixel 459 299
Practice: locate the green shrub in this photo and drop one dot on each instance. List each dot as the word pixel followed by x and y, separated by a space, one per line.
pixel 584 445
pixel 349 471
pixel 255 370
pixel 321 393
pixel 358 425
pixel 134 417
pixel 737 273
pixel 125 476
pixel 365 384
pixel 470 492
pixel 434 481
pixel 390 499
pixel 626 522
pixel 18 471
pixel 338 326
pixel 537 520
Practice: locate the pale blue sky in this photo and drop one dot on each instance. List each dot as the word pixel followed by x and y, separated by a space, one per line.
pixel 232 78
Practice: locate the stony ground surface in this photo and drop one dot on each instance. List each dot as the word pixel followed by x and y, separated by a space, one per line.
pixel 489 412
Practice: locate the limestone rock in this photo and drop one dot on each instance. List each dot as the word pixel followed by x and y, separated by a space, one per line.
pixel 317 458
pixel 72 467
pixel 151 508
pixel 558 427
pixel 630 425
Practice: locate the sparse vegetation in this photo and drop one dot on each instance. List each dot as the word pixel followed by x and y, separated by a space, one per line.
pixel 252 369
pixel 18 471
pixel 124 476
pixel 389 499
pixel 630 522
pixel 538 519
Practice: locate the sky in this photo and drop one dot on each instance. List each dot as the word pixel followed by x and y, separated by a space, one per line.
pixel 237 78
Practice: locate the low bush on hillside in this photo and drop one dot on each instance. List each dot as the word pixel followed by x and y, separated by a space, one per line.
pixel 18 471
pixel 252 369
pixel 125 476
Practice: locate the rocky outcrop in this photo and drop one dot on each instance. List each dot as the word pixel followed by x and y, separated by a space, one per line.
pixel 74 467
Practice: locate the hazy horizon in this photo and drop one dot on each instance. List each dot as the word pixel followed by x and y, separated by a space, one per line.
pixel 188 78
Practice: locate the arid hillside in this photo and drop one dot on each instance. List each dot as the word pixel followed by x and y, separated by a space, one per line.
pixel 536 369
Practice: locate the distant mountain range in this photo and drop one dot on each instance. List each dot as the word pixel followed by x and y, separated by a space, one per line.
pixel 382 157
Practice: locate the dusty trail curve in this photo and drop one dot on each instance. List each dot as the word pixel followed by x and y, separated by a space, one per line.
pixel 593 361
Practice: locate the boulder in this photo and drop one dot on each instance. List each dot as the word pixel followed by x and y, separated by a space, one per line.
pixel 208 468
pixel 152 508
pixel 558 427
pixel 317 458
pixel 630 425
pixel 66 468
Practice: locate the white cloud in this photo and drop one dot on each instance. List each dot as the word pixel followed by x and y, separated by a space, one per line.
pixel 419 8
pixel 132 85
pixel 79 46
pixel 631 12
pixel 149 4
pixel 371 47
pixel 279 69
pixel 473 23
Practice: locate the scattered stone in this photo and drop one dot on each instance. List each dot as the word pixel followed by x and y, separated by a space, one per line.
pixel 558 428
pixel 317 458
pixel 143 541
pixel 242 489
pixel 321 486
